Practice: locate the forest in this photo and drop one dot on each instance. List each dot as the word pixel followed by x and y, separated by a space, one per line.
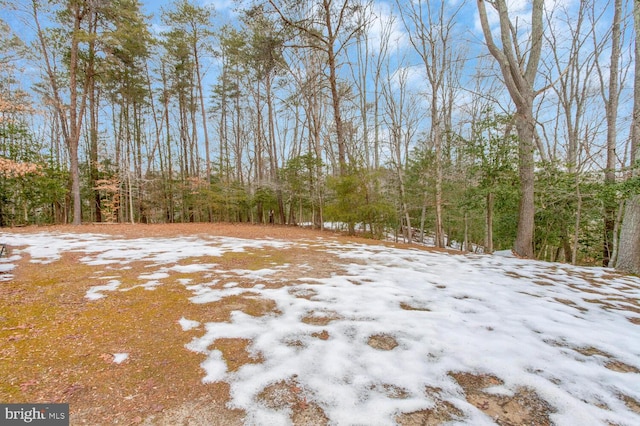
pixel 481 125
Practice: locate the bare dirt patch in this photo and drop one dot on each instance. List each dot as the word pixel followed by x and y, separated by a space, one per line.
pixel 632 403
pixel 383 342
pixel 320 318
pixel 412 307
pixel 525 407
pixel 290 397
pixel 611 363
pixel 442 412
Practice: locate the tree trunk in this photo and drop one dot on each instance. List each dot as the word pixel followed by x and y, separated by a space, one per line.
pixel 519 74
pixel 488 240
pixel 616 233
pixel 635 124
pixel 71 122
pixel 629 248
pixel 526 212
pixel 611 108
pixel 167 123
pixel 465 243
pixel 437 140
pixel 75 117
pixel 337 116
pixel 405 208
pixel 576 237
pixel 93 127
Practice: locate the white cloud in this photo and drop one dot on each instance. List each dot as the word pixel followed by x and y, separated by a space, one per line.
pixel 386 22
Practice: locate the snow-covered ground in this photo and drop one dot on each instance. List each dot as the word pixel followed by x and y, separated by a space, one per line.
pixel 551 328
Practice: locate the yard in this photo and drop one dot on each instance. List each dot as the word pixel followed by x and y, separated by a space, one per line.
pixel 205 324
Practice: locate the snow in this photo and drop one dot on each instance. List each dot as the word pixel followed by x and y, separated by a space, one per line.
pixel 188 324
pixel 95 292
pixel 529 323
pixel 119 358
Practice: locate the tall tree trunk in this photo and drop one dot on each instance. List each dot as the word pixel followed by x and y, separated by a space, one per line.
pixel 71 122
pixel 635 124
pixel 258 148
pixel 629 248
pixel 576 236
pixel 333 84
pixel 437 132
pixel 169 189
pixel 611 108
pixel 488 240
pixel 238 140
pixel 93 125
pixel 203 111
pixel 337 116
pixel 519 74
pixel 93 151
pixel 76 112
pixel 273 152
pixel 525 127
pixel 629 243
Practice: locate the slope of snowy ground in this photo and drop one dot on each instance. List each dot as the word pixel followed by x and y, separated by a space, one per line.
pixel 364 344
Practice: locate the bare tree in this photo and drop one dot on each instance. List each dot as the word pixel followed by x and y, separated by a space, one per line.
pixel 360 74
pixel 328 27
pixel 609 89
pixel 70 115
pixel 519 68
pixel 431 29
pixel 573 69
pixel 570 65
pixel 380 59
pixel 401 117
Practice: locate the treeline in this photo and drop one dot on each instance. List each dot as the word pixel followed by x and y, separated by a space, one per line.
pixel 396 119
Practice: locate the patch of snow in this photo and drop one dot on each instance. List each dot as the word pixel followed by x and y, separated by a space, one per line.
pixel 5 268
pixel 154 276
pixel 254 274
pixel 193 268
pixel 120 357
pixel 187 324
pixel 95 292
pixel 504 253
